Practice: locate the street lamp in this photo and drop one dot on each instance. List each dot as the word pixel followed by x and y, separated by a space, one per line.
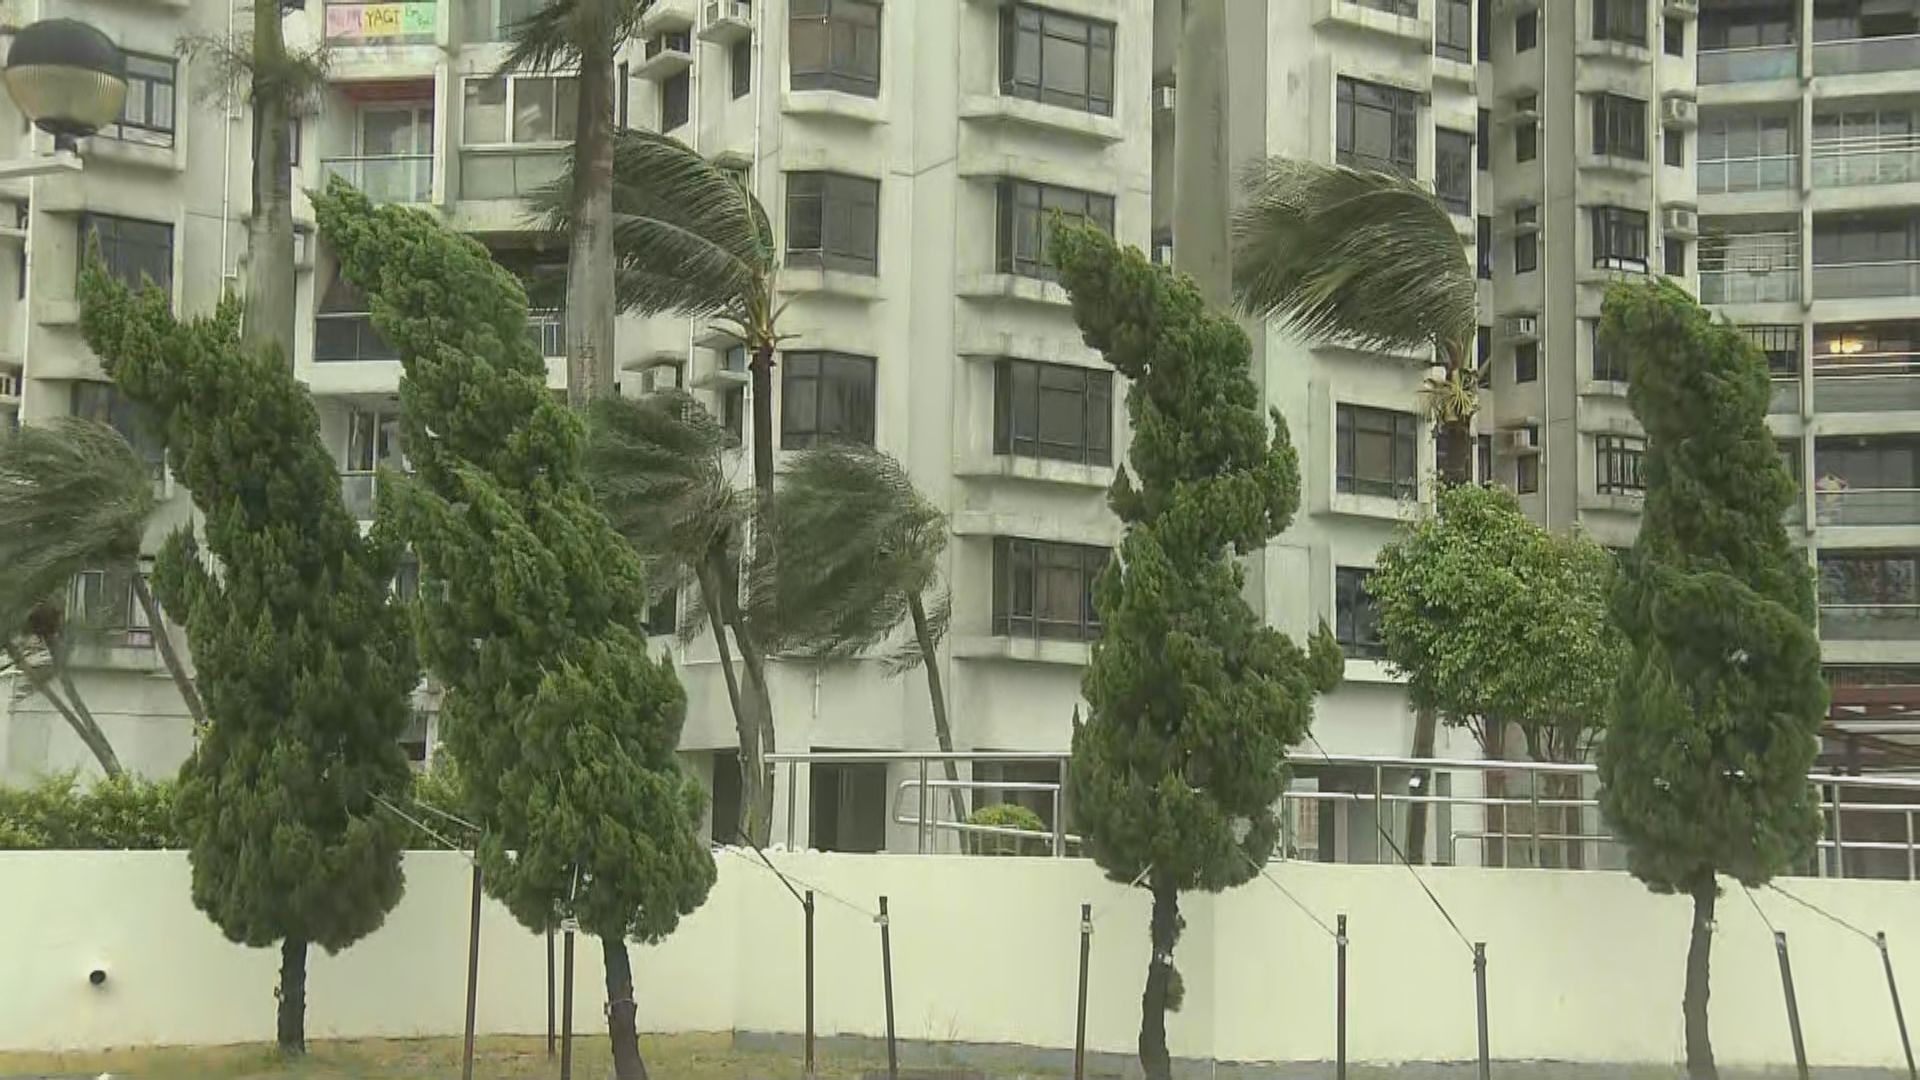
pixel 70 80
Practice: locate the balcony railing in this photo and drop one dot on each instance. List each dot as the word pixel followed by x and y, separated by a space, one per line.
pixel 1767 172
pixel 360 490
pixel 1866 506
pixel 1866 382
pixel 1750 268
pixel 347 336
pixel 1869 622
pixel 1855 56
pixel 1785 398
pixel 1749 286
pixel 548 330
pixel 381 24
pixel 509 172
pixel 1862 280
pixel 387 178
pixel 1749 64
pixel 1872 159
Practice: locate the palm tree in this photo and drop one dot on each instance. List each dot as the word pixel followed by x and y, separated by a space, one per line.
pixel 859 554
pixel 658 470
pixel 1371 260
pixel 73 496
pixel 585 35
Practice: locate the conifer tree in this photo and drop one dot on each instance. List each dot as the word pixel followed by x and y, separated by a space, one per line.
pixel 532 607
pixel 1178 772
pixel 1718 709
pixel 305 663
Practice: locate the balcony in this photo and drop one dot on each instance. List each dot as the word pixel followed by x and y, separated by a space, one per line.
pixel 1784 400
pixel 1750 267
pixel 1873 159
pixel 1860 56
pixel 1756 64
pixel 509 172
pixel 1836 505
pixel 1866 382
pixel 380 24
pixel 548 331
pixel 343 337
pixel 1865 280
pixel 1770 172
pixel 1870 622
pixel 403 179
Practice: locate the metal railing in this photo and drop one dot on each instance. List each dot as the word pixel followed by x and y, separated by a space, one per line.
pixel 1746 268
pixel 1517 813
pixel 1866 506
pixel 1765 172
pixel 509 172
pixel 1868 159
pixel 1750 64
pixel 1784 398
pixel 1853 56
pixel 1862 280
pixel 347 336
pixel 1870 621
pixel 548 331
pixel 386 178
pixel 1866 382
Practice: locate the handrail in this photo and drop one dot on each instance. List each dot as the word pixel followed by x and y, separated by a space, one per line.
pixel 1864 144
pixel 1748 48
pixel 1876 262
pixel 1821 42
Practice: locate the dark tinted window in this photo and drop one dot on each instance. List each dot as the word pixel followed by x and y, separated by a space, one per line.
pixel 1377 452
pixel 833 222
pixel 1056 58
pixel 1025 209
pixel 1377 127
pixel 1053 411
pixel 131 248
pixel 1044 589
pixel 835 45
pixel 825 397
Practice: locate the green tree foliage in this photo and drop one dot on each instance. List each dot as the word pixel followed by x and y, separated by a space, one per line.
pixel 531 609
pixel 1194 700
pixel 1007 816
pixel 306 663
pixel 115 814
pixel 1498 623
pixel 1717 714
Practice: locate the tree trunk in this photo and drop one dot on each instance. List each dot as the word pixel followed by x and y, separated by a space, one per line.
pixel 621 1010
pixel 755 723
pixel 75 712
pixel 1202 181
pixel 761 369
pixel 267 315
pixel 936 691
pixel 745 725
pixel 1453 452
pixel 1699 1045
pixel 163 641
pixel 1158 998
pixel 1453 449
pixel 590 311
pixel 292 1026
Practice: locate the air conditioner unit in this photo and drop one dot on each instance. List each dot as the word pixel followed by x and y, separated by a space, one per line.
pixel 1163 97
pixel 1523 328
pixel 1679 112
pixel 1680 221
pixel 1522 440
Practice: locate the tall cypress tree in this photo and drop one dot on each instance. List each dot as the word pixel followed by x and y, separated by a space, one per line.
pixel 532 607
pixel 305 662
pixel 1718 709
pixel 1178 772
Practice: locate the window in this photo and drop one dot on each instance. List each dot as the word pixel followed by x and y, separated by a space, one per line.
pixel 733 413
pixel 1483 459
pixel 1620 239
pixel 1483 247
pixel 1453 170
pixel 833 222
pixel 1526 240
pixel 675 101
pixel 825 397
pixel 1609 365
pixel 740 67
pixel 1526 31
pixel 1406 9
pixel 849 807
pixel 1483 140
pixel 663 615
pixel 1056 59
pixel 835 45
pixel 1780 344
pixel 102 606
pixel 625 82
pixel 1870 579
pixel 1356 625
pixel 134 250
pixel 1752 151
pixel 1025 208
pixel 1526 473
pixel 1378 127
pixel 1526 140
pixel 102 403
pixel 1620 20
pixel 1453 30
pixel 1619 127
pixel 147 114
pixel 518 109
pixel 1043 589
pixel 1482 348
pixel 1620 463
pixel 373 442
pixel 1748 25
pixel 1675 149
pixel 1053 411
pixel 1377 452
pixel 1483 30
pixel 1675 35
pixel 1526 361
pixel 1674 256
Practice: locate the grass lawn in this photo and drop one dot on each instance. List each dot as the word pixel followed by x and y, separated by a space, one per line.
pixel 677 1057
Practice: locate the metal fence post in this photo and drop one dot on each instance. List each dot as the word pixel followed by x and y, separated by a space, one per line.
pixel 1062 806
pixel 1899 1014
pixel 886 976
pixel 1480 1001
pixel 1839 844
pixel 566 1001
pixel 1080 1016
pixel 1793 1006
pixel 473 975
pixel 1533 813
pixel 1340 1001
pixel 926 826
pixel 793 773
pixel 808 905
pixel 549 994
pixel 1380 822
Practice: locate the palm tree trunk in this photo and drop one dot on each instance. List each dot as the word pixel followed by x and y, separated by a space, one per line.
pixel 762 370
pixel 291 1026
pixel 267 319
pixel 163 641
pixel 1202 183
pixel 1700 1064
pixel 621 1010
pixel 79 719
pixel 936 691
pixel 755 723
pixel 745 726
pixel 1157 998
pixel 590 249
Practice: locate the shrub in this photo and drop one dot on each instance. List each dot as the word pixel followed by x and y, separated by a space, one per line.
pixel 1006 816
pixel 441 788
pixel 119 814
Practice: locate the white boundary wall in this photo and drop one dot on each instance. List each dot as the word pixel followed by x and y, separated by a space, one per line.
pixel 1582 966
